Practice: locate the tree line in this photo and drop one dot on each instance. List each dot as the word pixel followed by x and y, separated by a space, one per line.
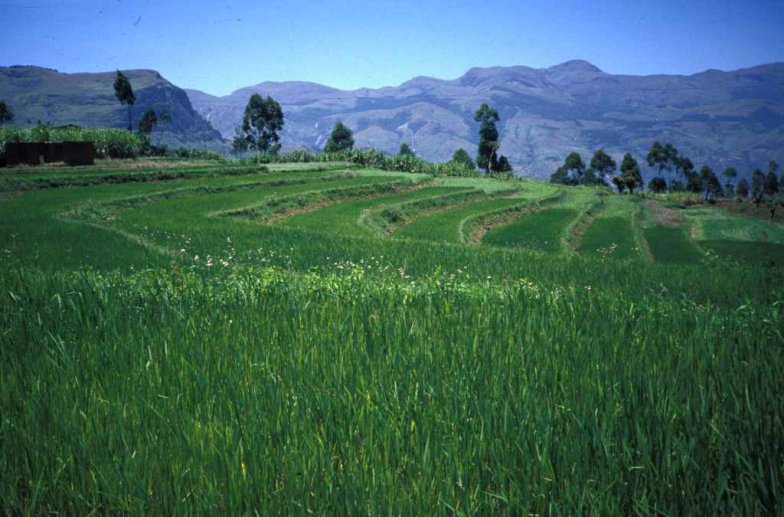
pixel 675 173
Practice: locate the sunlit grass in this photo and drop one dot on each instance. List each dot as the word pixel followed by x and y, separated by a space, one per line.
pixel 157 357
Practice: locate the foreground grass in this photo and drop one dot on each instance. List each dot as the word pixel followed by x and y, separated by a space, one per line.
pixel 266 392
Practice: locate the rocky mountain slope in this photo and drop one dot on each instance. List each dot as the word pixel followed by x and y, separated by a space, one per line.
pixel 721 118
pixel 40 94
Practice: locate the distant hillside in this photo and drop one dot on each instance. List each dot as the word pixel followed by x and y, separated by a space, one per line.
pixel 40 94
pixel 721 118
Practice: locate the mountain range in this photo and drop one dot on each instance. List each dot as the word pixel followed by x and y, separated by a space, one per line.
pixel 715 117
pixel 720 118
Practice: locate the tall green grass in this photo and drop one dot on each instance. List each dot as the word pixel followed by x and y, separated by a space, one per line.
pixel 345 218
pixel 543 231
pixel 671 245
pixel 446 226
pixel 612 233
pixel 158 359
pixel 261 391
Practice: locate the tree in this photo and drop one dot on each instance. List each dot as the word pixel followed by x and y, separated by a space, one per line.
pixel 487 155
pixel 694 183
pixel 261 122
pixel 771 184
pixel 710 183
pixel 657 184
pixel 729 189
pixel 603 164
pixel 742 189
pixel 341 139
pixel 405 150
pixel 148 121
pixel 630 173
pixel 619 184
pixel 730 173
pixel 771 181
pixel 591 178
pixel 571 172
pixel 124 93
pixel 684 168
pixel 6 115
pixel 665 158
pixel 504 165
pixel 462 157
pixel 757 186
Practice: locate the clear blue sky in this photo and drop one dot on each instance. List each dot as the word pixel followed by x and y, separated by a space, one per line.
pixel 219 46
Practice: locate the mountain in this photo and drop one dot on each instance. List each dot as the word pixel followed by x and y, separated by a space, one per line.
pixel 40 94
pixel 720 118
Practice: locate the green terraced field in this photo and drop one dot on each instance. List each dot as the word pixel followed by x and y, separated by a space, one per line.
pixel 611 237
pixel 243 344
pixel 612 234
pixel 343 218
pixel 671 245
pixel 715 224
pixel 542 231
pixel 757 253
pixel 446 226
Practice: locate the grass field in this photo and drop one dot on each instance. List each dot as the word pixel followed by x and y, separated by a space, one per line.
pixel 543 230
pixel 344 218
pixel 612 234
pixel 161 356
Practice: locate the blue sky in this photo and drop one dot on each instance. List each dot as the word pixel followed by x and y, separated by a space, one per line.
pixel 219 46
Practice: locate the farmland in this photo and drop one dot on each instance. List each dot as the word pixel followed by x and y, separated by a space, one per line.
pixel 230 338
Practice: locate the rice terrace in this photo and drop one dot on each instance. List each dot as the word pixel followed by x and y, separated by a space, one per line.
pixel 524 291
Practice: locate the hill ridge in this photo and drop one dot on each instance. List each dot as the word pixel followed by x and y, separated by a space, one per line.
pixel 47 95
pixel 721 118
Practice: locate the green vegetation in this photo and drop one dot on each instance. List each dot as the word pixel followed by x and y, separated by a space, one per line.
pixel 159 357
pixel 109 143
pixel 341 139
pixel 571 172
pixel 544 230
pixel 148 122
pixel 6 115
pixel 671 245
pixel 124 93
pixel 447 226
pixel 487 156
pixel 345 218
pixel 261 123
pixel 612 234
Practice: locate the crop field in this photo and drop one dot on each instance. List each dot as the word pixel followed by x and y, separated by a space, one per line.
pixel 543 230
pixel 344 218
pixel 612 234
pixel 453 224
pixel 207 338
